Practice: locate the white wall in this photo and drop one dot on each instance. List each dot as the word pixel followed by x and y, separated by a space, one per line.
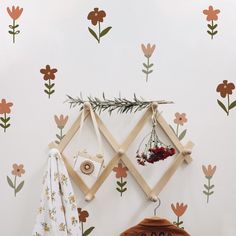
pixel 188 66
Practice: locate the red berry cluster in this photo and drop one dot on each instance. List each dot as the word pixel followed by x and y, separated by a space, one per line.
pixel 155 154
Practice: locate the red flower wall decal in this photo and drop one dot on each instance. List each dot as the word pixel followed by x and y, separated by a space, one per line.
pixel 49 74
pixel 226 89
pixel 14 13
pixel 61 122
pixel 96 16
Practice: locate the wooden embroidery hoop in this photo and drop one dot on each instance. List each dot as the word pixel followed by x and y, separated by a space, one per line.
pixel 120 149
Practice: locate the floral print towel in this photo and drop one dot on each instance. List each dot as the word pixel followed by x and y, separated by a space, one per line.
pixel 57 214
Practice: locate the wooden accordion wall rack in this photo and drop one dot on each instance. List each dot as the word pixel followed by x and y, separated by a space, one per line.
pixel 184 154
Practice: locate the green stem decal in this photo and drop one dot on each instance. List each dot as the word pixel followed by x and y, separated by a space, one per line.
pixel 49 88
pixel 177 130
pixel 209 188
pixel 99 31
pixel 212 30
pixel 147 69
pixel 5 122
pixel 228 104
pixel 178 223
pixel 13 30
pixel 15 186
pixel 121 186
pixel 82 228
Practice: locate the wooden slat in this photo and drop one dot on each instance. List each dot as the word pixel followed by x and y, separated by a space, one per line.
pixel 71 132
pixel 170 171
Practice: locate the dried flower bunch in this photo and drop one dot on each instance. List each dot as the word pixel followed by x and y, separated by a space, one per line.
pixel 154 150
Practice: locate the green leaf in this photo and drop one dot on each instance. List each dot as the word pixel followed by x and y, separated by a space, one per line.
pixel 222 106
pixel 105 31
pixel 232 105
pixel 144 71
pixel 151 65
pixel 212 27
pixel 20 186
pixel 215 32
pixel 11 32
pixel 5 126
pixel 14 27
pixel 121 184
pixel 123 190
pixel 51 92
pixel 182 135
pixel 10 182
pixel 206 186
pixel 145 65
pixel 57 142
pixel 212 186
pixel 211 193
pixel 172 129
pixel 93 33
pixel 11 26
pixel 119 190
pixel 58 136
pixel 205 192
pixel 17 32
pixel 49 86
pixel 150 71
pixel 88 231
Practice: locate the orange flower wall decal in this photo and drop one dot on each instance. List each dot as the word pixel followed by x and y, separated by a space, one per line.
pixel 14 13
pixel 96 16
pixel 212 15
pixel 121 173
pixel 49 74
pixel 18 171
pixel 83 215
pixel 61 122
pixel 208 171
pixel 148 51
pixel 226 89
pixel 5 108
pixel 180 120
pixel 179 210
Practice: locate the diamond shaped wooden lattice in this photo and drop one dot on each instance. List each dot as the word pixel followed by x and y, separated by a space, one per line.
pixel 120 150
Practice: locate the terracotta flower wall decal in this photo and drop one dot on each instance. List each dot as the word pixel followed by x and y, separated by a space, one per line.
pixel 83 215
pixel 212 16
pixel 14 13
pixel 208 171
pixel 226 89
pixel 96 17
pixel 49 75
pixel 60 122
pixel 18 171
pixel 121 173
pixel 180 120
pixel 148 51
pixel 5 108
pixel 179 210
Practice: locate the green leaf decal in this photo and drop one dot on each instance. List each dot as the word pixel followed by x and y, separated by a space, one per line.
pixel 88 231
pixel 182 135
pixel 105 31
pixel 20 186
pixel 212 27
pixel 10 182
pixel 232 105
pixel 93 33
pixel 172 129
pixel 222 106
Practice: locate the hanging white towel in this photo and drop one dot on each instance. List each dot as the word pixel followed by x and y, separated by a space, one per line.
pixel 57 215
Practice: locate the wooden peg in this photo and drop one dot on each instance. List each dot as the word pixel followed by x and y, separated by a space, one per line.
pixel 89 197
pixel 153 197
pixel 154 105
pixel 121 152
pixel 87 105
pixel 186 152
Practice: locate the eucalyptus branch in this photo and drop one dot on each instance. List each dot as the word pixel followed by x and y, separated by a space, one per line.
pixel 121 105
